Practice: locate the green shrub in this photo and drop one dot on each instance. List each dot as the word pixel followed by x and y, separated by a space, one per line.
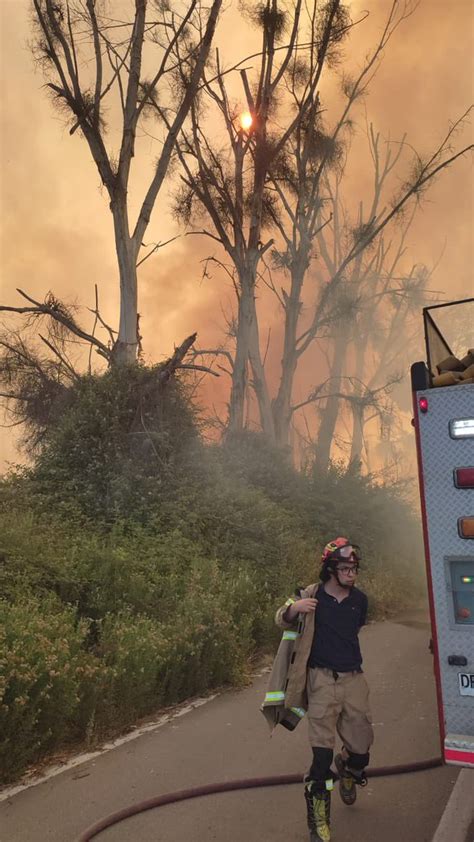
pixel 42 669
pixel 122 435
pixel 134 650
pixel 211 632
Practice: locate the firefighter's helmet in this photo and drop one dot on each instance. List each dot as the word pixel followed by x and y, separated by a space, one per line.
pixel 340 549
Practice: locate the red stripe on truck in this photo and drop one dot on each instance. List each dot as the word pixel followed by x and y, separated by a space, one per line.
pixel 456 756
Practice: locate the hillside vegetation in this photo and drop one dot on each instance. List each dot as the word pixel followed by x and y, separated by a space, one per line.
pixel 140 566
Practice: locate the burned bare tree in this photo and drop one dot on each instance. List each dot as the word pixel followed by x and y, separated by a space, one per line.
pixel 40 377
pixel 227 184
pixel 99 67
pixel 307 211
pixel 96 66
pixel 375 300
pixel 262 186
pixel 383 337
pixel 352 263
pixel 299 179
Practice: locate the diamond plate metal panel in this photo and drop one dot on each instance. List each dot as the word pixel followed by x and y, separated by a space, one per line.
pixel 440 455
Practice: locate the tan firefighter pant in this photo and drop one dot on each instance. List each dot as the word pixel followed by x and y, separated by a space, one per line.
pixel 340 704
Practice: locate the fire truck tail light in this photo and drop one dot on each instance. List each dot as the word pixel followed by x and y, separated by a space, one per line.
pixel 464 477
pixel 466 527
pixel 462 428
pixel 423 404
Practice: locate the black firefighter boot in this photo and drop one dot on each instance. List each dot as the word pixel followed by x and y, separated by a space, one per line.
pixel 318 804
pixel 349 779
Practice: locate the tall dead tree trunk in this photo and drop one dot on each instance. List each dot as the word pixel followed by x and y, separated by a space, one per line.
pixel 357 443
pixel 238 392
pixel 282 412
pixel 259 380
pixel 329 414
pixel 125 347
pixel 233 187
pixel 87 59
pixel 357 404
pixel 299 180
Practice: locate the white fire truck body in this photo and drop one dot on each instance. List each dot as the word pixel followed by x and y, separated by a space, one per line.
pixel 444 425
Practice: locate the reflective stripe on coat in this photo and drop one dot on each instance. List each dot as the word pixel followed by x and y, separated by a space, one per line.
pixel 286 700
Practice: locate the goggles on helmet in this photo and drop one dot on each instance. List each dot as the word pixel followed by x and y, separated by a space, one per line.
pixel 341 550
pixel 348 552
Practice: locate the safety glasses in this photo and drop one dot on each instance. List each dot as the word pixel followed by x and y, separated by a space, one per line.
pixel 348 569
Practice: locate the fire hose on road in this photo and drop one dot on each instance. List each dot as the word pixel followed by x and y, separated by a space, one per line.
pixel 230 786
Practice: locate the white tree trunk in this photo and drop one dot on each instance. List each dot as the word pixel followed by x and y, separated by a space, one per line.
pixel 125 348
pixel 357 444
pixel 282 404
pixel 331 410
pixel 259 379
pixel 239 371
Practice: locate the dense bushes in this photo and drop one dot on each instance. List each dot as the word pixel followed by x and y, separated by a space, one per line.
pixel 42 670
pixel 139 567
pixel 124 437
pixel 66 676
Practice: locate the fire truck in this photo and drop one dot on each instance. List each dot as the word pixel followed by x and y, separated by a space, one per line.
pixel 443 417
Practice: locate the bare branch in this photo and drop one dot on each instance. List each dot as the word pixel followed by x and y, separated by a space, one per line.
pixel 98 318
pixel 214 352
pixel 168 368
pixel 199 368
pixel 62 359
pixel 58 315
pixel 155 249
pixel 169 144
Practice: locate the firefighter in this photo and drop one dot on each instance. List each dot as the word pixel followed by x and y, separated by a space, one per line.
pixel 326 678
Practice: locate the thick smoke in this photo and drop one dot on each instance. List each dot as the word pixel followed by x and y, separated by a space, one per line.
pixel 57 231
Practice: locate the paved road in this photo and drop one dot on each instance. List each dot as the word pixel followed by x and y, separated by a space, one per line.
pixel 228 739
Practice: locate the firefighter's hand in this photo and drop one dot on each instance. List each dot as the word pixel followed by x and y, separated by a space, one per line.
pixel 305 606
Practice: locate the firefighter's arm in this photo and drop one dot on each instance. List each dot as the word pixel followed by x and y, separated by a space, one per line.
pixel 281 617
pixel 287 615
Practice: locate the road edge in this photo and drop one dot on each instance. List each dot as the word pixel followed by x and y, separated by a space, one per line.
pixel 52 770
pixel 458 814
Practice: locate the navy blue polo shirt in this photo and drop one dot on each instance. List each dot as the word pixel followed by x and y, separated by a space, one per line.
pixel 335 642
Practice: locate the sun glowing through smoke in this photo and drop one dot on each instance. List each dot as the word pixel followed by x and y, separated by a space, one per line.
pixel 246 120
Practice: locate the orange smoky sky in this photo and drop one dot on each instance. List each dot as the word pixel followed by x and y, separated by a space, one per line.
pixel 57 230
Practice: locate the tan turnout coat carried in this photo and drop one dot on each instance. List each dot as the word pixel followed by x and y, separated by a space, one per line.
pixel 286 700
